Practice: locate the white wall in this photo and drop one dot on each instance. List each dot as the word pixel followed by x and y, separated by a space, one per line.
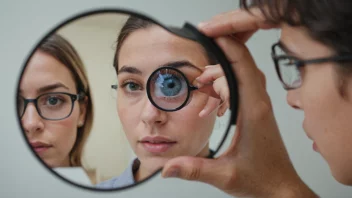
pixel 107 151
pixel 24 23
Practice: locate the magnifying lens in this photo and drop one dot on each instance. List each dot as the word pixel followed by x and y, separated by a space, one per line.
pixel 168 89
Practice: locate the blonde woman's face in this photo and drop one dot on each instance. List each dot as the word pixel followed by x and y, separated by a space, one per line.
pixel 52 140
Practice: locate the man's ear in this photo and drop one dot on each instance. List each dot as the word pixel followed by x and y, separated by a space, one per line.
pixel 83 105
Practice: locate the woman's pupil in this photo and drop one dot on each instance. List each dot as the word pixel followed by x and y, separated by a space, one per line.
pixel 133 86
pixel 171 85
pixel 52 101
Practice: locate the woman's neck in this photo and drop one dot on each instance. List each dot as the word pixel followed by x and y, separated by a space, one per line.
pixel 142 173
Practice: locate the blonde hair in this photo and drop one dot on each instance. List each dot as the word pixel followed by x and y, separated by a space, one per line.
pixel 58 47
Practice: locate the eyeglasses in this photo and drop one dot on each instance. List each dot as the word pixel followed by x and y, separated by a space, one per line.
pixel 168 89
pixel 288 67
pixel 50 106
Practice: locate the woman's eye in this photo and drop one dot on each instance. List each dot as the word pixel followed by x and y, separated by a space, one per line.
pixel 53 100
pixel 131 86
pixel 169 85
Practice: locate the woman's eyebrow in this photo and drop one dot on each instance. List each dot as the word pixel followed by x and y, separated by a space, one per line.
pixel 129 69
pixel 47 88
pixel 182 63
pixel 51 87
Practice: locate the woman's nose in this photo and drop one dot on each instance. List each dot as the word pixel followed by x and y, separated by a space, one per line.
pixel 293 99
pixel 151 115
pixel 31 120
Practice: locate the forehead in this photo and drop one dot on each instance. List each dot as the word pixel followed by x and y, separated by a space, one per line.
pixel 43 70
pixel 151 47
pixel 298 40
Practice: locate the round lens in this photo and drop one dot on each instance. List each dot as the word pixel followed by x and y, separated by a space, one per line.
pixel 55 105
pixel 168 89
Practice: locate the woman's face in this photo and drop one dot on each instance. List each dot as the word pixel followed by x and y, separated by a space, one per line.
pixel 155 135
pixel 51 140
pixel 327 114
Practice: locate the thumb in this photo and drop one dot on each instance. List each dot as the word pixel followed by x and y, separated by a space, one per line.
pixel 193 168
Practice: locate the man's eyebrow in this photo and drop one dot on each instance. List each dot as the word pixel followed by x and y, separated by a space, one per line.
pixel 129 69
pixel 178 64
pixel 50 87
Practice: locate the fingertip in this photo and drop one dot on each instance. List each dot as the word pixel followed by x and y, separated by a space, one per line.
pixel 173 172
pixel 220 113
pixel 207 111
pixel 209 66
pixel 203 113
pixel 202 25
pixel 198 83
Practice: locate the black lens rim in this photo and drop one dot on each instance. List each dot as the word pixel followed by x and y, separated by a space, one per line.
pixel 189 88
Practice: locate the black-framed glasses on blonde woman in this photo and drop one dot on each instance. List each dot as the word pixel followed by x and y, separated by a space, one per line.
pixel 50 106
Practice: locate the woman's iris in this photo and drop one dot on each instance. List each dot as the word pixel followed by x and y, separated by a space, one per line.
pixel 169 85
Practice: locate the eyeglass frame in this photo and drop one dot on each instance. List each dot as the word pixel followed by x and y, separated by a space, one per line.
pixel 190 88
pixel 73 97
pixel 300 63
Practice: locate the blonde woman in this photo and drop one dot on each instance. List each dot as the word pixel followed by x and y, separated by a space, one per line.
pixel 54 103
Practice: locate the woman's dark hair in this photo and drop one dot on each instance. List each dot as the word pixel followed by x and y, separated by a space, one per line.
pixel 133 24
pixel 59 48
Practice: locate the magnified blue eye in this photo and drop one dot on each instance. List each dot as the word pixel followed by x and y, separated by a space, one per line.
pixel 168 88
pixel 169 85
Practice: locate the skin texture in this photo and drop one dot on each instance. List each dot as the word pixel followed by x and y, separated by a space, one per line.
pixel 140 118
pixel 42 71
pixel 326 116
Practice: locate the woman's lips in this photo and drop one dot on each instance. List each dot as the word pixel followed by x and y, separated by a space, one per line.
pixel 40 147
pixel 157 144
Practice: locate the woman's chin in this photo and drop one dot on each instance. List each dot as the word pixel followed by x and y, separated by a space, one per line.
pixel 154 163
pixel 50 163
pixel 55 163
